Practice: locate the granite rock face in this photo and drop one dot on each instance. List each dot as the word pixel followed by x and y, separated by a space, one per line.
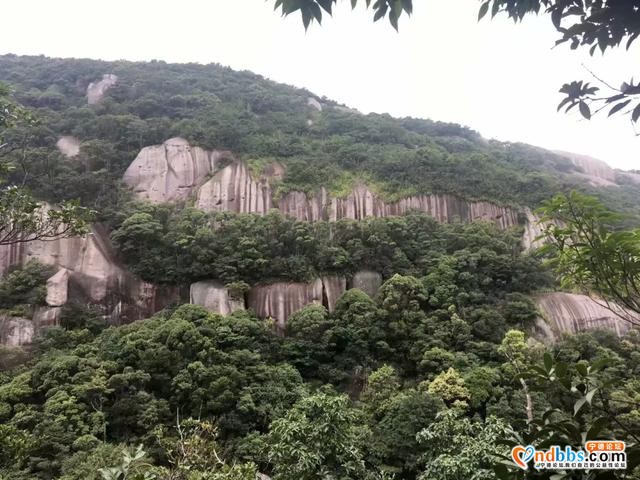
pixel 362 203
pixel 532 230
pixel 46 317
pixel 15 331
pixel 571 313
pixel 169 172
pixel 58 288
pixel 368 281
pixel 333 288
pixel 233 190
pixel 313 103
pixel 595 171
pixel 173 171
pixel 97 90
pixel 214 296
pixel 279 300
pixel 88 273
pixel 69 146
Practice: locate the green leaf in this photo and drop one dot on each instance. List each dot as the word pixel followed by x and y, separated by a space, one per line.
pixel 548 361
pixel 484 8
pixel 636 113
pixel 578 405
pixel 585 110
pixel 596 428
pixel 618 107
pixel 581 368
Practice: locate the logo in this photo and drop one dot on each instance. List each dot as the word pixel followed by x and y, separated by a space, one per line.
pixel 596 455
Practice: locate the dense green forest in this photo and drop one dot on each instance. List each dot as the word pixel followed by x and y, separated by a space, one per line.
pixel 432 379
pixel 218 108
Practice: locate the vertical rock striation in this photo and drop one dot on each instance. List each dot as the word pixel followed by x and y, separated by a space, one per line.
pixel 233 190
pixel 172 171
pixel 88 273
pixel 15 331
pixel 363 203
pixel 279 300
pixel 368 281
pixel 214 296
pixel 169 172
pixel 571 313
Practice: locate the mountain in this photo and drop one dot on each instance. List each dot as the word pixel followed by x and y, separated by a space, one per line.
pixel 255 244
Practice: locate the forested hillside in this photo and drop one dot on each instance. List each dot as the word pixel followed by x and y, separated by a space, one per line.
pixel 189 337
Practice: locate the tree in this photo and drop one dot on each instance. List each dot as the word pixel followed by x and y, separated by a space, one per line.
pixel 317 438
pixel 458 448
pixel 312 9
pixel 515 349
pixel 589 254
pixel 598 24
pixel 22 218
pixel 582 410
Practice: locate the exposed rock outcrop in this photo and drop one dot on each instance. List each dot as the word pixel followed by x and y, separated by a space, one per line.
pixel 363 203
pixel 88 273
pixel 97 90
pixel 333 288
pixel 215 297
pixel 69 146
pixel 597 172
pixel 46 317
pixel 172 171
pixel 312 102
pixel 279 300
pixel 58 288
pixel 368 281
pixel 571 313
pixel 169 172
pixel 533 229
pixel 15 331
pixel 233 190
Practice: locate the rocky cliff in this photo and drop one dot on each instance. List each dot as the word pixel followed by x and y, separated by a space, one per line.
pixel 175 170
pixel 233 190
pixel 595 171
pixel 169 172
pixel 571 313
pixel 362 203
pixel 87 273
pixel 215 297
pixel 368 281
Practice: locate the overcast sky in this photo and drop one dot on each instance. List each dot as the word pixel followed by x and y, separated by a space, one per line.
pixel 495 77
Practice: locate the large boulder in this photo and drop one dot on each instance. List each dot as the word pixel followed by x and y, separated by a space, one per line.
pixel 169 172
pixel 572 313
pixel 97 90
pixel 69 146
pixel 88 273
pixel 368 281
pixel 595 171
pixel 215 297
pixel 232 189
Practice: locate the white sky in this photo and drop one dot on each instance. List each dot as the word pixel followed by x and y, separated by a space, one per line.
pixel 498 78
